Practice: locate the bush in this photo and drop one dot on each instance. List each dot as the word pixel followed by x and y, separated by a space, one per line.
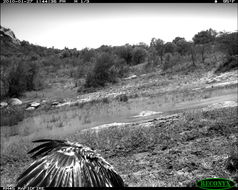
pixel 139 55
pixel 229 64
pixel 227 43
pixel 11 116
pixel 102 72
pixel 167 61
pixel 17 81
pixel 20 76
pixel 125 52
pixel 121 68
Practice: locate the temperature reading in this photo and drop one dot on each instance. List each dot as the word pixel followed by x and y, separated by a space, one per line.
pixel 228 1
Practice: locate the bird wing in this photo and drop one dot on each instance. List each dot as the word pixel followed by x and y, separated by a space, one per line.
pixel 66 164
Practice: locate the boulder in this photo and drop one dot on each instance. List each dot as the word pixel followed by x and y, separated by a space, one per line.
pixel 15 101
pixel 131 77
pixel 30 108
pixel 35 104
pixel 3 104
pixel 55 103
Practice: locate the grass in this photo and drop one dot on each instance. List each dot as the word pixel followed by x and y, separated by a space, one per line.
pixel 176 151
pixel 11 116
pixel 192 148
pixel 174 145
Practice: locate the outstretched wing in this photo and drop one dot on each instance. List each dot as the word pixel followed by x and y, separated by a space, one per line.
pixel 66 164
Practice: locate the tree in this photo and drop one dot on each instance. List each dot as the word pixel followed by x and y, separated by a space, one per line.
pixel 205 37
pixel 177 39
pixel 125 52
pixel 227 43
pixel 192 52
pixel 101 74
pixel 105 49
pixel 17 80
pixel 202 39
pixel 143 45
pixel 87 54
pixel 183 47
pixel 170 47
pixel 158 46
pixel 139 55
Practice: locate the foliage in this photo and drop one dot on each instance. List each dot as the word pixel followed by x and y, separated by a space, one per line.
pixel 158 46
pixel 204 37
pixel 125 52
pixel 11 116
pixel 101 74
pixel 170 47
pixel 183 47
pixel 177 39
pixel 227 43
pixel 139 55
pixel 87 55
pixel 230 63
pixel 19 76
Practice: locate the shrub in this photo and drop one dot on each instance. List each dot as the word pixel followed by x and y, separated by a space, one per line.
pixel 139 55
pixel 11 116
pixel 229 64
pixel 227 43
pixel 17 80
pixel 125 52
pixel 24 76
pixel 121 67
pixel 102 72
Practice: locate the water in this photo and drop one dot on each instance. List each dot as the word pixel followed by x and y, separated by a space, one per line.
pixel 66 122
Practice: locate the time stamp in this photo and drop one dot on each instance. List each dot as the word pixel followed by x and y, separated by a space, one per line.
pixel 82 1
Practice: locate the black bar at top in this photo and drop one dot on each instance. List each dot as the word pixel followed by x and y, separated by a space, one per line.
pixel 161 1
pixel 147 1
pixel 234 2
pixel 154 1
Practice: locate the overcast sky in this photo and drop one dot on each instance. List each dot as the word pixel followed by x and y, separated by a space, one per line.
pixel 92 25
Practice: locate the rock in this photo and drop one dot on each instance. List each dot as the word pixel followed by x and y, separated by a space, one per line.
pixel 15 101
pixel 35 104
pixel 147 113
pixel 9 33
pixel 3 104
pixel 30 108
pixel 55 103
pixel 131 77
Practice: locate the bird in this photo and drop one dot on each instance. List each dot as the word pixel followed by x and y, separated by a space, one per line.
pixel 232 161
pixel 231 164
pixel 62 163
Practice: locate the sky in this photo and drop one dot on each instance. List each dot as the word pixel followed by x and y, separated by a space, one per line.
pixel 92 25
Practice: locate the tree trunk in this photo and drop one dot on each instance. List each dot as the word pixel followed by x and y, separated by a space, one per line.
pixel 193 56
pixel 203 53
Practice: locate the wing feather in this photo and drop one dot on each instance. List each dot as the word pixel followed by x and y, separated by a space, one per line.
pixel 68 164
pixel 38 147
pixel 30 173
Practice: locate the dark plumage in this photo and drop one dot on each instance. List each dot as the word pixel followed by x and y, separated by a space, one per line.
pixel 232 161
pixel 66 164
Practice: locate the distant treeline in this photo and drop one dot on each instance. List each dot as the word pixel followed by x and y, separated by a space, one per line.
pixel 25 67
